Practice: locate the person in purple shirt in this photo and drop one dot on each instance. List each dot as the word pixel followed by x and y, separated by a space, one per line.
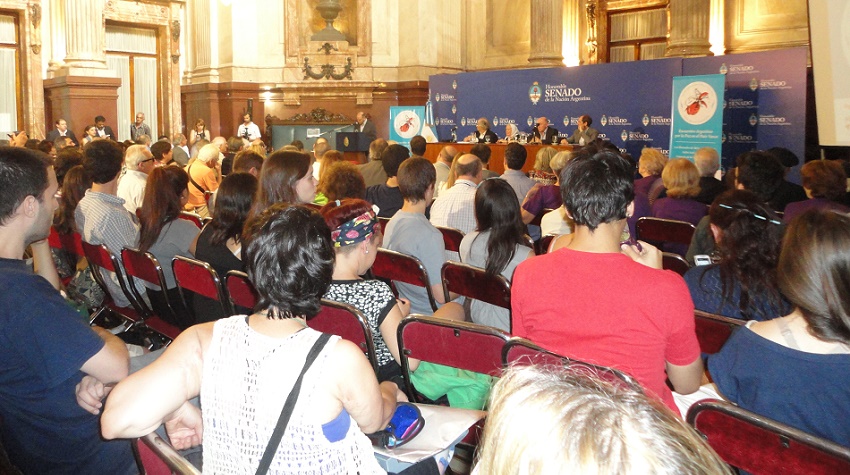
pixel 650 165
pixel 681 179
pixel 825 183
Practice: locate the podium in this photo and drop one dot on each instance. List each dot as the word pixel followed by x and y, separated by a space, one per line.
pixel 353 145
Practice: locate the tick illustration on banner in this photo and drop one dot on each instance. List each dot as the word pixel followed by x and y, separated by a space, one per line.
pixel 408 122
pixel 696 101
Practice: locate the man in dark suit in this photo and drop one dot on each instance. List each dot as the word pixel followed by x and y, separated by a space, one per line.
pixel 61 130
pixel 542 133
pixel 103 130
pixel 584 134
pixel 366 126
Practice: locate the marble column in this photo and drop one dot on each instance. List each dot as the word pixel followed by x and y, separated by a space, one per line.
pixel 85 35
pixel 546 33
pixel 689 28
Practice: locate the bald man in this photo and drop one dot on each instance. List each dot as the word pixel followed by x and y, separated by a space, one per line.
pixel 455 207
pixel 542 133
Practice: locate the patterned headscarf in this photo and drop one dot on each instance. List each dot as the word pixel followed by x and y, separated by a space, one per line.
pixel 355 230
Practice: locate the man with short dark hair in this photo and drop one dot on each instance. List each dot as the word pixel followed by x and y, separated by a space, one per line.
pixel 455 207
pixel 248 161
pixel 103 130
pixel 387 196
pixel 100 216
pixel 163 153
pixel 248 130
pixel 61 130
pixel 47 353
pixel 417 146
pixel 515 157
pixel 373 171
pixel 599 311
pixel 409 232
pixel 483 152
pixel 584 134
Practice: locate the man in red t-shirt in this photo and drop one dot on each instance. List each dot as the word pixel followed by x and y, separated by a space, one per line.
pixel 603 303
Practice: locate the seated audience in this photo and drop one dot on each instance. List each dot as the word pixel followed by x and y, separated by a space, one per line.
pixel 795 369
pixel 163 154
pixel 244 366
pixel 575 314
pixel 138 163
pixel 373 171
pixel 515 156
pixel 708 162
pixel 825 184
pixel 220 242
pixel 650 165
pixel 542 172
pixel 681 181
pixel 483 152
pixel 542 197
pixel 418 144
pixel 329 158
pixel 552 420
pixel 410 232
pixel 787 192
pixel 66 159
pixel 342 180
pixel 387 196
pixel 285 178
pixel 48 354
pixel 356 235
pixel 497 245
pixel 443 167
pixel 742 284
pixel 165 235
pixel 89 135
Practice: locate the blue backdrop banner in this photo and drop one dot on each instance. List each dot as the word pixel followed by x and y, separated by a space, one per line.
pixel 406 122
pixel 443 93
pixel 697 113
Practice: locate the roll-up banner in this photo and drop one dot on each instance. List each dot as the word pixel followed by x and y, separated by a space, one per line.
pixel 697 113
pixel 405 123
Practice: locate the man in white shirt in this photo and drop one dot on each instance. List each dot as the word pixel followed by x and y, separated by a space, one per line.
pixel 455 207
pixel 131 186
pixel 247 129
pixel 61 130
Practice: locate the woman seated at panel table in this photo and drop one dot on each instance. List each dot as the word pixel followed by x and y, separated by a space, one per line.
pixel 483 134
pixel 796 369
pixel 244 366
pixel 511 133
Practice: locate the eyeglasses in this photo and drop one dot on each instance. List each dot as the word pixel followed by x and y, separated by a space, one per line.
pixel 539 124
pixel 146 160
pixel 754 215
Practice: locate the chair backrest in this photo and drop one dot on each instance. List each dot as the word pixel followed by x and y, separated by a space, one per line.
pixel 713 330
pixel 451 237
pixel 192 218
pixel 207 197
pixel 392 265
pixel 100 257
pixel 347 322
pixel 475 283
pixel 543 244
pixel 657 230
pixel 156 457
pixel 674 262
pixel 384 222
pixel 760 445
pixel 72 243
pixel 199 277
pixel 460 345
pixel 241 290
pixel 520 351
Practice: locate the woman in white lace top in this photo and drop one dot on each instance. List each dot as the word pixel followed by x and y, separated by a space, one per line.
pixel 245 366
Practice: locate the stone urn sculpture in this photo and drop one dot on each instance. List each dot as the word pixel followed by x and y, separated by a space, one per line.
pixel 329 9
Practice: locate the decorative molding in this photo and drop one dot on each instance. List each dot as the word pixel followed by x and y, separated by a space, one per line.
pixel 175 30
pixel 35 15
pixel 315 116
pixel 328 71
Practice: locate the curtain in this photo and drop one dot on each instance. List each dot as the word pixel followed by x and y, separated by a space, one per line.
pixel 120 65
pixel 621 54
pixel 638 25
pixel 7 30
pixel 8 95
pixel 144 95
pixel 130 40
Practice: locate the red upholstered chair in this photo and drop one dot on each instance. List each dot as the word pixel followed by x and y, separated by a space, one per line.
pixel 520 351
pixel 451 237
pixel 460 345
pixel 762 446
pixel 100 258
pixel 155 456
pixel 347 322
pixel 674 262
pixel 475 283
pixel 145 266
pixel 192 218
pixel 72 243
pixel 543 244
pixel 657 231
pixel 240 289
pixel 713 330
pixel 199 277
pixel 207 197
pixel 395 266
pixel 384 222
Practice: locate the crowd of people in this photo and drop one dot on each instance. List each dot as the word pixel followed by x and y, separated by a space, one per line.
pixel 308 225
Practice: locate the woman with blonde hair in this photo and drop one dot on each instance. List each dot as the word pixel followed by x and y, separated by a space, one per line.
pixel 199 132
pixel 557 421
pixel 542 172
pixel 650 166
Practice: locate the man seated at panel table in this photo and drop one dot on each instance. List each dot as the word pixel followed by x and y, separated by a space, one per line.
pixel 542 133
pixel 598 309
pixel 584 134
